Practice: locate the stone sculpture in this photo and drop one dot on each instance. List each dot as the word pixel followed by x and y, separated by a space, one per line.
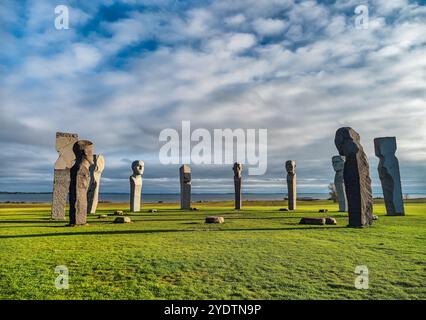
pixel 338 166
pixel 95 180
pixel 185 187
pixel 80 180
pixel 61 181
pixel 389 174
pixel 238 169
pixel 356 177
pixel 290 167
pixel 138 167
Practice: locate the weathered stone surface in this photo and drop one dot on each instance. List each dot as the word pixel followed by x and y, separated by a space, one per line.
pixel 80 180
pixel 61 188
pixel 330 220
pixel 356 177
pixel 61 180
pixel 290 167
pixel 238 170
pixel 338 166
pixel 389 174
pixel 215 219
pixel 316 221
pixel 185 187
pixel 122 220
pixel 95 181
pixel 138 167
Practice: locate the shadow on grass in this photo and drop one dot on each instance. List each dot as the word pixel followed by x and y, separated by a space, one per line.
pixel 53 223
pixel 122 232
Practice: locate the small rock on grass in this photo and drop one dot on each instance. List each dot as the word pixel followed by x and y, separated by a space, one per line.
pixel 375 217
pixel 330 220
pixel 153 210
pixel 316 221
pixel 284 209
pixel 119 213
pixel 122 220
pixel 102 216
pixel 215 220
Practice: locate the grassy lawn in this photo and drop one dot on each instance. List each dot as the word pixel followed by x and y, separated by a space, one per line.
pixel 258 253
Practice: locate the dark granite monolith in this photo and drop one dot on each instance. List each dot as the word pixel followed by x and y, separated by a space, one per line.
pixel 238 169
pixel 389 174
pixel 356 177
pixel 290 167
pixel 185 187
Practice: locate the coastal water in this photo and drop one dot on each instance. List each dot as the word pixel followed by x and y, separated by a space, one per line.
pixel 124 197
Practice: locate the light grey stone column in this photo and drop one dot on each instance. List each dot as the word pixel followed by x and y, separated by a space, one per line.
pixel 338 166
pixel 138 168
pixel 95 181
pixel 61 181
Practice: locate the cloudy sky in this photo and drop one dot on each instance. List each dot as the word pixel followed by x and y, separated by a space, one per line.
pixel 125 70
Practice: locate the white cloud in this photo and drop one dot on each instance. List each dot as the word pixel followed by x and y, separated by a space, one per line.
pixel 268 27
pixel 318 73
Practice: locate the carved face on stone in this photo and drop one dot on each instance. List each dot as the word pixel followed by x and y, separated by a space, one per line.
pixel 347 141
pixel 138 167
pixel 338 163
pixel 385 146
pixel 83 150
pixel 238 169
pixel 185 172
pixel 290 167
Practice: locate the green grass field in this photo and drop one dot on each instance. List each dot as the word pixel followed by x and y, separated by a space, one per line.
pixel 258 253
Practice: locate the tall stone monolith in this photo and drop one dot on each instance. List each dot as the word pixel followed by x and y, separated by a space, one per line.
pixel 138 168
pixel 385 149
pixel 61 180
pixel 356 177
pixel 290 167
pixel 95 181
pixel 185 187
pixel 80 180
pixel 338 166
pixel 238 170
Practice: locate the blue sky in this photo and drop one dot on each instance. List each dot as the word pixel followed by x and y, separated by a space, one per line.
pixel 127 69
